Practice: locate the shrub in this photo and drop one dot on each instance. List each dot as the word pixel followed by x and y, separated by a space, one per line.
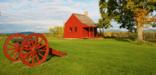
pixel 116 34
pixel 57 31
pixel 148 36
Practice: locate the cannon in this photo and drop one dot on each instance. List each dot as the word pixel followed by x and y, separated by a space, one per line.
pixel 31 49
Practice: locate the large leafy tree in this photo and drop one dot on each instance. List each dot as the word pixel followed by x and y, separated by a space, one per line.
pixel 126 12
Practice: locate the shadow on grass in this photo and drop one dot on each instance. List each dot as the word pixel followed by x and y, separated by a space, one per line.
pixel 136 42
pixel 55 53
pixel 124 39
pixel 50 55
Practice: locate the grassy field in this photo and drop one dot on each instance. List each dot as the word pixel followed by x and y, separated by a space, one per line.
pixel 90 57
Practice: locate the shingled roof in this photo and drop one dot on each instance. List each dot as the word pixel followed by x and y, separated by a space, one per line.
pixel 85 19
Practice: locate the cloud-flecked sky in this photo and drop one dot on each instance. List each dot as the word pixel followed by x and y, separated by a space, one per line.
pixel 39 15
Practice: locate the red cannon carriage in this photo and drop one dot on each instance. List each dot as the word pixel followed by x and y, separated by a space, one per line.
pixel 31 49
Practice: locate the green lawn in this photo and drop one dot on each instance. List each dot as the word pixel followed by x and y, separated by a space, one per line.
pixel 90 57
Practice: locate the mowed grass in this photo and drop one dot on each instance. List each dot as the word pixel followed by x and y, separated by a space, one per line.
pixel 90 57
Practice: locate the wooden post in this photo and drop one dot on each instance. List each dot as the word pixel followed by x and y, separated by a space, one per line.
pixel 93 32
pixel 89 33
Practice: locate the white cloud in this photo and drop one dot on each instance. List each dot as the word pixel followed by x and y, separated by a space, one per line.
pixel 70 1
pixel 45 12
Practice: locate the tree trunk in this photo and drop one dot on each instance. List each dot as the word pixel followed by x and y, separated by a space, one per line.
pixel 100 31
pixel 140 32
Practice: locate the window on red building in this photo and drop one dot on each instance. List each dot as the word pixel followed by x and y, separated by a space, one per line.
pixel 75 29
pixel 70 29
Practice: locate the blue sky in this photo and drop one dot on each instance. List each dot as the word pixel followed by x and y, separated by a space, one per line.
pixel 39 15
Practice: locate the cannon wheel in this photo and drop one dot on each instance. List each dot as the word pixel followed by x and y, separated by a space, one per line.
pixel 11 47
pixel 35 50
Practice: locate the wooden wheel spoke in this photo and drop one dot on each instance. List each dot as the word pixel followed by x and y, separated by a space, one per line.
pixel 33 58
pixel 42 46
pixel 37 58
pixel 11 44
pixel 15 55
pixel 11 53
pixel 31 42
pixel 40 41
pixel 40 54
pixel 11 48
pixel 43 50
pixel 36 40
pixel 27 56
pixel 26 48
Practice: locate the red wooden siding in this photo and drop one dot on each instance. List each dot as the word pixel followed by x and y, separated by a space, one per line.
pixel 75 29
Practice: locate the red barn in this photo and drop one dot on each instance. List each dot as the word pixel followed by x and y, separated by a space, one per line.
pixel 79 26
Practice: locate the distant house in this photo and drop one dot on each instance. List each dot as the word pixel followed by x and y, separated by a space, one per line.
pixel 79 26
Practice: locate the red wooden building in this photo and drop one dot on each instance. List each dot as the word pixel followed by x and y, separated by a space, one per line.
pixel 79 26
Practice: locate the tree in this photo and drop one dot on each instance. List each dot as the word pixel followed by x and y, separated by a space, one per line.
pixel 104 21
pixel 153 24
pixel 57 31
pixel 108 11
pixel 128 12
